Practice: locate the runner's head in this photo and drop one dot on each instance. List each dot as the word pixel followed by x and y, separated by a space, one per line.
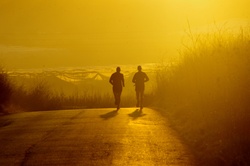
pixel 118 69
pixel 139 68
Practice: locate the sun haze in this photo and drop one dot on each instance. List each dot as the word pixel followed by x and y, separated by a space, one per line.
pixel 44 33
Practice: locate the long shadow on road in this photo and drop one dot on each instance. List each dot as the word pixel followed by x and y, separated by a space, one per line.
pixel 136 114
pixel 109 115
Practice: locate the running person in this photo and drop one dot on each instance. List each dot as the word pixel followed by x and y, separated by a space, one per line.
pixel 117 80
pixel 139 79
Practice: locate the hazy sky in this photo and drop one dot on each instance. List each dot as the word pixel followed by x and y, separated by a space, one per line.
pixel 48 33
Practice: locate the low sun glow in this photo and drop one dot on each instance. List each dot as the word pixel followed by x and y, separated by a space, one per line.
pixel 138 30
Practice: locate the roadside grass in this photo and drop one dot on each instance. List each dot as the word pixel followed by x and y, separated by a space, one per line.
pixel 206 97
pixel 5 90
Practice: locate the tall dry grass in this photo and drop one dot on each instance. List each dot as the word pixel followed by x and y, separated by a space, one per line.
pixel 207 97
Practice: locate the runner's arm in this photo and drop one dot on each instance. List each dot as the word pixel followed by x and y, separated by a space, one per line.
pixel 146 78
pixel 134 80
pixel 123 82
pixel 111 80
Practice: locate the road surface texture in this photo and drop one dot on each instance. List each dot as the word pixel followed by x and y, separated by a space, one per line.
pixel 85 137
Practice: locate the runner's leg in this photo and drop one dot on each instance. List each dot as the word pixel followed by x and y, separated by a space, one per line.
pixel 141 96
pixel 118 99
pixel 137 98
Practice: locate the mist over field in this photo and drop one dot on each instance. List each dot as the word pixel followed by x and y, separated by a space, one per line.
pixel 80 80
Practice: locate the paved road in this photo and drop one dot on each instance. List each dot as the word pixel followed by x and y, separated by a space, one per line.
pixel 90 137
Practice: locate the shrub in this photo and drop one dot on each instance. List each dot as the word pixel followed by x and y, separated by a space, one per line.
pixel 5 89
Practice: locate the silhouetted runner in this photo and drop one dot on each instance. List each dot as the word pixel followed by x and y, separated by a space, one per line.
pixel 117 80
pixel 139 79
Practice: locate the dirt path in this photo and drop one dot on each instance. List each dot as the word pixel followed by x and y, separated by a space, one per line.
pixel 90 137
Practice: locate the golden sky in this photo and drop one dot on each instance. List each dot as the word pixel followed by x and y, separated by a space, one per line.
pixel 48 33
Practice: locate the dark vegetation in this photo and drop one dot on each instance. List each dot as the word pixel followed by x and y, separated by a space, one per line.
pixel 40 94
pixel 5 90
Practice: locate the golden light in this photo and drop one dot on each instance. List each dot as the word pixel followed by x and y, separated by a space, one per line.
pixel 133 29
